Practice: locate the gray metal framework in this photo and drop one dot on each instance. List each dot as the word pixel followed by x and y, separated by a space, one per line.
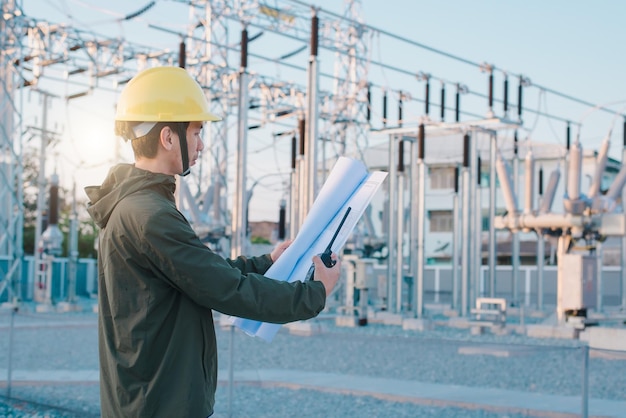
pixel 11 193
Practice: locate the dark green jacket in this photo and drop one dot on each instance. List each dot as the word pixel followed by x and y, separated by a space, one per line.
pixel 157 286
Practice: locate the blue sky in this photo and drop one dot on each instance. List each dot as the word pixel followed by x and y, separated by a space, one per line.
pixel 573 47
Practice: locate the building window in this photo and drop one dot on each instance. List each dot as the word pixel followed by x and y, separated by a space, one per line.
pixel 441 220
pixel 441 177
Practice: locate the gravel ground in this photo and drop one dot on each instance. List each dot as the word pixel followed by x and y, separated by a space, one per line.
pixel 69 342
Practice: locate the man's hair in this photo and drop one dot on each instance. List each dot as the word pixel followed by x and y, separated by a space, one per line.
pixel 146 146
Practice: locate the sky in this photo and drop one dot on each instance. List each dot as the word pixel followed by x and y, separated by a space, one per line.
pixel 571 47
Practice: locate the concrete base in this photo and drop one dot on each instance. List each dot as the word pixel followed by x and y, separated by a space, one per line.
pixel 604 338
pixel 459 322
pixel 8 306
pixel 387 318
pixel 417 324
pixel 68 307
pixel 349 321
pixel 477 329
pixel 450 313
pixel 45 308
pixel 552 331
pixel 303 328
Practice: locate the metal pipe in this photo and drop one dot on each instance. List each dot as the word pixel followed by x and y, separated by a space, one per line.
pixel 421 216
pixel 240 203
pixel 599 277
pixel 546 221
pixel 515 244
pixel 10 356
pixel 541 250
pixel 312 116
pixel 584 413
pixel 478 288
pixel 400 238
pixel 391 227
pixel 529 177
pixel 400 223
pixel 455 240
pixel 475 243
pixel 492 215
pixel 41 180
pixel 465 228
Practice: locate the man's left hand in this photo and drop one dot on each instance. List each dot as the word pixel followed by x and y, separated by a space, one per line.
pixel 280 249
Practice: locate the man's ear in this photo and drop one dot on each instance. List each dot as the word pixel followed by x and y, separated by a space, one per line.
pixel 165 137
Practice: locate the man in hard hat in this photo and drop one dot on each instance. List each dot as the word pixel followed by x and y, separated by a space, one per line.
pixel 157 282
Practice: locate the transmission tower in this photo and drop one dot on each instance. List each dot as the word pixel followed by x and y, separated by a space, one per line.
pixel 348 110
pixel 11 194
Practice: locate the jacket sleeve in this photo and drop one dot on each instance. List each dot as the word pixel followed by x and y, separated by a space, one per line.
pixel 252 264
pixel 181 259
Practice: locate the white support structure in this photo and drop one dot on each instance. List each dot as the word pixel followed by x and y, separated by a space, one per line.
pixel 589 218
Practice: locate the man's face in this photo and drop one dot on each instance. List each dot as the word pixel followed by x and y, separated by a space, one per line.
pixel 194 141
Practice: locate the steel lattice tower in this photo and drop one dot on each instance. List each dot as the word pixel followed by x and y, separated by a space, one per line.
pixel 11 193
pixel 348 112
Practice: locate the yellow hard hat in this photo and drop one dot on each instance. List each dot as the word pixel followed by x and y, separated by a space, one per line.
pixel 163 94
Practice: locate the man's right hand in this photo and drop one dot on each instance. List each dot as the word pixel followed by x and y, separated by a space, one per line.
pixel 329 276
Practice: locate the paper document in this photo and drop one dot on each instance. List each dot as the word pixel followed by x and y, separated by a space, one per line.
pixel 348 185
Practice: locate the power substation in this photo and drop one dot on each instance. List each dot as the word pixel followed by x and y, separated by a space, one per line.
pixel 479 221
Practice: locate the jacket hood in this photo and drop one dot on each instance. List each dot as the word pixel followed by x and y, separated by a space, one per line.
pixel 121 181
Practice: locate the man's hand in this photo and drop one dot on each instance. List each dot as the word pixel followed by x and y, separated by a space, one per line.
pixel 280 249
pixel 329 276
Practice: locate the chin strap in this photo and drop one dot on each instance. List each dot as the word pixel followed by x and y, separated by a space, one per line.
pixel 184 152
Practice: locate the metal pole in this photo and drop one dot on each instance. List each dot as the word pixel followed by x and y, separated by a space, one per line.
pixel 391 226
pixel 421 216
pixel 312 117
pixel 414 219
pixel 231 369
pixel 515 244
pixel 600 284
pixel 465 232
pixel 400 240
pixel 541 245
pixel 41 194
pixel 240 201
pixel 475 228
pixel 455 246
pixel 478 288
pixel 71 291
pixel 10 369
pixel 492 214
pixel 584 413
